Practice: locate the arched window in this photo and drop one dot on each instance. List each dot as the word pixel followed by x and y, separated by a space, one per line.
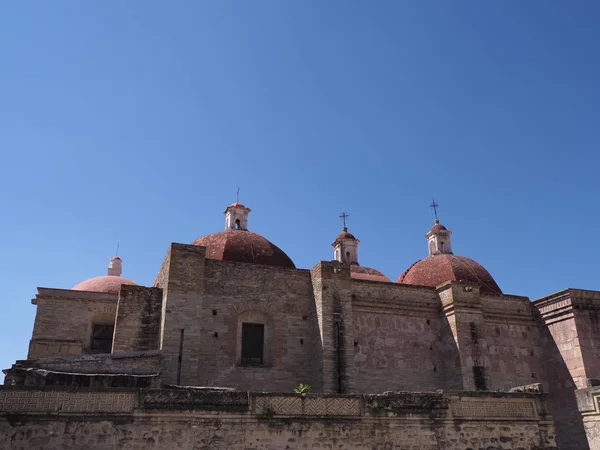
pixel 237 224
pixel 348 257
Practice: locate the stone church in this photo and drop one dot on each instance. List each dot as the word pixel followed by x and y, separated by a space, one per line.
pixel 210 355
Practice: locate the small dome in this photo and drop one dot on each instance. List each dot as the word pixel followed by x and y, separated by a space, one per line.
pixel 437 269
pixel 243 246
pixel 345 235
pixel 109 284
pixel 437 227
pixel 366 273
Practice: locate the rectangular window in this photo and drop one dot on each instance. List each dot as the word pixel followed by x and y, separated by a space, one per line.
pixel 252 343
pixel 102 336
pixel 479 378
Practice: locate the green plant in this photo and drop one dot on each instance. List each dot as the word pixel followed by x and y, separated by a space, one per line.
pixel 303 389
pixel 268 412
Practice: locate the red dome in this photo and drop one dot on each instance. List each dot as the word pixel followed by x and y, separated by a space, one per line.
pixel 108 283
pixel 243 246
pixel 438 227
pixel 366 273
pixel 345 235
pixel 437 269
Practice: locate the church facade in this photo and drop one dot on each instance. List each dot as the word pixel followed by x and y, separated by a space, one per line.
pixel 232 311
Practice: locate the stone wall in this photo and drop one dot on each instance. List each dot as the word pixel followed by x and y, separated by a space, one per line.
pixel 64 319
pixel 560 315
pixel 589 407
pixel 514 349
pixel 204 419
pixel 281 299
pixel 397 338
pixel 139 369
pixel 138 319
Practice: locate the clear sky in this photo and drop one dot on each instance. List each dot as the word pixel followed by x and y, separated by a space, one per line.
pixel 135 121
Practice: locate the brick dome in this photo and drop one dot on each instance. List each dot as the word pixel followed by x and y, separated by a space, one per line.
pixel 345 235
pixel 366 273
pixel 437 269
pixel 243 246
pixel 109 284
pixel 437 227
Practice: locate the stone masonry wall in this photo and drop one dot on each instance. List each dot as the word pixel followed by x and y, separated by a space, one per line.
pixel 397 341
pixel 200 419
pixel 280 298
pixel 138 319
pixel 63 321
pixel 514 350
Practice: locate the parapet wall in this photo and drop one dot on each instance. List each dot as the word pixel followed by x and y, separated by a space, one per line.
pixel 228 419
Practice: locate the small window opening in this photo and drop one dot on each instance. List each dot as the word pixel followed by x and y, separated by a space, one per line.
pixel 214 312
pixel 237 224
pixel 479 378
pixel 356 343
pixel 216 334
pixel 102 336
pixel 252 343
pixel 428 321
pixel 301 341
pixel 348 257
pixel 474 334
pixel 304 317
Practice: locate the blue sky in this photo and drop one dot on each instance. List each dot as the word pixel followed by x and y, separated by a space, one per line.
pixel 134 122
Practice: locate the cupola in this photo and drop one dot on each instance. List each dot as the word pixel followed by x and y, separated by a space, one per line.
pixel 345 250
pixel 442 265
pixel 110 283
pixel 238 244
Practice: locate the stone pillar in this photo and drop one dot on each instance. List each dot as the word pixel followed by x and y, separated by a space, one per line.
pixel 333 298
pixel 182 280
pixel 461 305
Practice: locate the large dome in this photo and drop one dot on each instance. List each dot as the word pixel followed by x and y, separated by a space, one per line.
pixel 109 284
pixel 437 269
pixel 243 246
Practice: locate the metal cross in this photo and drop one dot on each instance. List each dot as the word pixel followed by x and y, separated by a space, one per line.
pixel 344 215
pixel 117 252
pixel 435 207
pixel 237 196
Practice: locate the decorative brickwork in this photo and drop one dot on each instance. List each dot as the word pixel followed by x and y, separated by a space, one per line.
pixel 493 409
pixel 54 401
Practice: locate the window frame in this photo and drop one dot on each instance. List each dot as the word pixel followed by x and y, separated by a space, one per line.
pixel 254 356
pixel 102 349
pixel 268 349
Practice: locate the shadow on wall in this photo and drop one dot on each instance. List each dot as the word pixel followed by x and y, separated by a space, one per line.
pixel 450 357
pixel 570 431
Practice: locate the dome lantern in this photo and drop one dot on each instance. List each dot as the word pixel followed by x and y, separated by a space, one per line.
pixel 438 239
pixel 236 217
